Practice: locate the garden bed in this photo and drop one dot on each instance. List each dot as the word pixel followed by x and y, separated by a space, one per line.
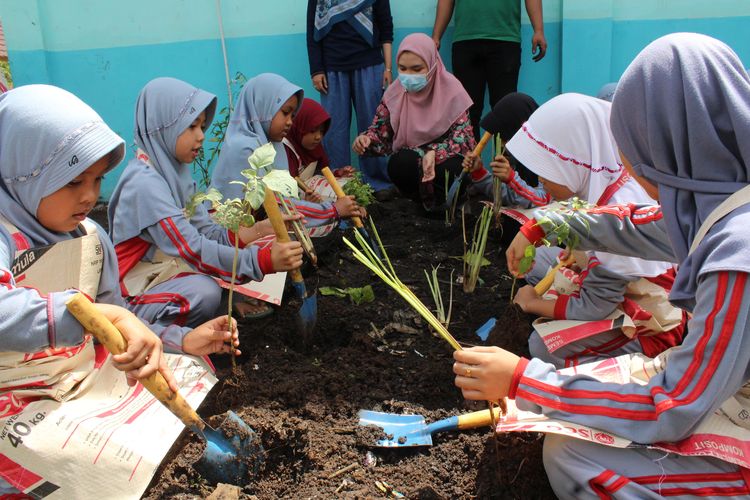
pixel 303 404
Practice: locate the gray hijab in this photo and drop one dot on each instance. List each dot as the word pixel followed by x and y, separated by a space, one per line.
pixel 146 194
pixel 681 116
pixel 260 99
pixel 48 137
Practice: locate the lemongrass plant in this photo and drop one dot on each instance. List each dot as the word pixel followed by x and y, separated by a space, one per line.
pixel 474 255
pixel 383 269
pixel 437 295
pixel 570 209
pixel 497 184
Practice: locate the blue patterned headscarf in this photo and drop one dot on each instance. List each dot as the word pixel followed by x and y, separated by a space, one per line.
pixel 358 13
pixel 681 116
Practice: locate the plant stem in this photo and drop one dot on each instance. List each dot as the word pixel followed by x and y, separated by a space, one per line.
pixel 478 245
pixel 231 296
pixel 497 185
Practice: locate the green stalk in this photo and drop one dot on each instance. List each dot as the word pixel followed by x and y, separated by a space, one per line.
pixel 437 296
pixel 478 245
pixel 385 271
pixel 448 220
pixel 231 293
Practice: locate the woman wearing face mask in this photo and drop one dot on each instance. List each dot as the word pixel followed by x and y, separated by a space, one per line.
pixel 422 122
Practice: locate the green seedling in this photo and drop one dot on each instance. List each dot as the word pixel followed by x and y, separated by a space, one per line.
pixel 362 191
pixel 383 269
pixel 474 254
pixel 437 296
pixel 358 296
pixel 237 213
pixel 559 233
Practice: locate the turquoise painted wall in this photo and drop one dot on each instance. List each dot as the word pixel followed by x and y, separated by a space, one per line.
pixel 106 50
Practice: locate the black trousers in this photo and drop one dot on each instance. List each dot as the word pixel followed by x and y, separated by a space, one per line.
pixel 405 172
pixel 480 64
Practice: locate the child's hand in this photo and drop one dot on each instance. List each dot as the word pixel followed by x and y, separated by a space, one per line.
pixel 320 83
pixel 525 297
pixel 347 171
pixel 501 168
pixel 264 228
pixel 515 253
pixel 472 162
pixel 212 337
pixel 531 303
pixel 484 373
pixel 348 207
pixel 313 197
pixel 361 143
pixel 286 256
pixel 144 355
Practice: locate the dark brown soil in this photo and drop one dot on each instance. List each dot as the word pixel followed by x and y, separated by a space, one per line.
pixel 303 403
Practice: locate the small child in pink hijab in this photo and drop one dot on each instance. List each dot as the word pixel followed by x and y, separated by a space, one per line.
pixel 422 122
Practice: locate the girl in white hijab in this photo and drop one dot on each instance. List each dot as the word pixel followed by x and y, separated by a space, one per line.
pixel 568 144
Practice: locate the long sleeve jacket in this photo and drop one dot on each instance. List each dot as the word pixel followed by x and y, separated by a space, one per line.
pixel 710 366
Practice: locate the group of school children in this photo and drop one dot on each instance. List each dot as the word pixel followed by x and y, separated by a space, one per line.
pixel 659 269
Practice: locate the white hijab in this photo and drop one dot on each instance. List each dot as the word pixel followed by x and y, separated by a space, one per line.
pixel 568 141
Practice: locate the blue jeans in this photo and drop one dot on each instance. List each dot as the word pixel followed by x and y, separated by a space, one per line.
pixel 362 88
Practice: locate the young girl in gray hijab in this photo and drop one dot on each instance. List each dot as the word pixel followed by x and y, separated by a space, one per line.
pixel 54 151
pixel 169 261
pixel 681 118
pixel 264 113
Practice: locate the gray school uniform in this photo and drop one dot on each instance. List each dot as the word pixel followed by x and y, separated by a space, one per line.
pixel 643 414
pixel 147 212
pixel 48 138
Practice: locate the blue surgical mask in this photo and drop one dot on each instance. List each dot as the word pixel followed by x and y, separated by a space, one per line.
pixel 414 82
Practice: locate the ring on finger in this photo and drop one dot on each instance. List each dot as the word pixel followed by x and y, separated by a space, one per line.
pixel 467 371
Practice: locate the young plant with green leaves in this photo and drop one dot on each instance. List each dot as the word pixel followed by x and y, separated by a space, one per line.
pixel 474 254
pixel 215 136
pixel 437 295
pixel 384 270
pixel 559 233
pixel 237 213
pixel 362 191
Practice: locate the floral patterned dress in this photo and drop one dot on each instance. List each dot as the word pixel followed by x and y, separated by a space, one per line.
pixel 457 141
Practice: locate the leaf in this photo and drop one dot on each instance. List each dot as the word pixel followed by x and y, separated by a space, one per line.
pixel 356 295
pixel 281 182
pixel 213 195
pixel 469 256
pixel 362 192
pixel 262 157
pixel 362 295
pixel 331 290
pixel 528 258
